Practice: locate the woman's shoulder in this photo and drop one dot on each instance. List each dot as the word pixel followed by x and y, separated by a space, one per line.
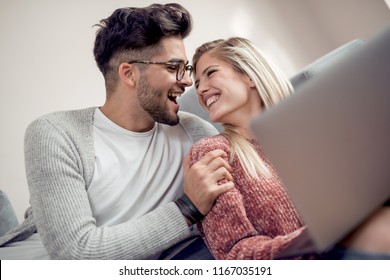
pixel 213 141
pixel 208 144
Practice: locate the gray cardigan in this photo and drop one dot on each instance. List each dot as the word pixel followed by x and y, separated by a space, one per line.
pixel 59 157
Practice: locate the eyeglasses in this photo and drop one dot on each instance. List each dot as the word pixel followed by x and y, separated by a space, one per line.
pixel 180 67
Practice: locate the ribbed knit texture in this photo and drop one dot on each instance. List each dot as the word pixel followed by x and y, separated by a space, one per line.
pixel 59 155
pixel 255 220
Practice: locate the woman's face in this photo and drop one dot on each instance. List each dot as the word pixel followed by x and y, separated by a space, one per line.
pixel 228 96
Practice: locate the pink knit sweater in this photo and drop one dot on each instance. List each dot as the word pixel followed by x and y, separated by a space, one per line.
pixel 255 220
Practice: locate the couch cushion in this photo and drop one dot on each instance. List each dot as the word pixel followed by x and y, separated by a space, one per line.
pixel 8 218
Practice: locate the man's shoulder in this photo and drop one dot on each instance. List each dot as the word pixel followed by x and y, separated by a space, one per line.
pixel 190 117
pixel 76 114
pixel 196 127
pixel 67 116
pixel 63 120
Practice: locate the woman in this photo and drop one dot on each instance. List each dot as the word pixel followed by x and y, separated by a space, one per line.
pixel 256 220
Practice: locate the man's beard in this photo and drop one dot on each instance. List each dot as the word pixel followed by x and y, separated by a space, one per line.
pixel 150 100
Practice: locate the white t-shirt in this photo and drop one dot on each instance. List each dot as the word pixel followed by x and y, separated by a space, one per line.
pixel 134 172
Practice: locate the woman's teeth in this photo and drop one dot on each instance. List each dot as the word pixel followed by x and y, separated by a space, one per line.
pixel 211 100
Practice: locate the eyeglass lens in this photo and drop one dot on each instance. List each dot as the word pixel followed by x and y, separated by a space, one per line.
pixel 183 68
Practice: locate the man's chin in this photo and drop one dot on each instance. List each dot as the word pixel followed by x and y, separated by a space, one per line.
pixel 174 122
pixel 169 120
pixel 174 118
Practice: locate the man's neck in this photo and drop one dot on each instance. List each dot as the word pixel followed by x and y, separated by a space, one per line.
pixel 128 116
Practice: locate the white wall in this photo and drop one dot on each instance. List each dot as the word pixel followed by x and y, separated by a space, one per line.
pixel 46 61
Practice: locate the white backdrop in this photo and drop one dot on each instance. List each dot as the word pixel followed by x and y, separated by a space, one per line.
pixel 46 61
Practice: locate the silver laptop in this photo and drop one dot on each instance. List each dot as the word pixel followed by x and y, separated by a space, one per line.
pixel 330 143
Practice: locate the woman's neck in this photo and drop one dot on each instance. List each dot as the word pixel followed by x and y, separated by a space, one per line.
pixel 245 131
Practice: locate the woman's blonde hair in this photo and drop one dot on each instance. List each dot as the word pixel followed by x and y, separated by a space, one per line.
pixel 271 85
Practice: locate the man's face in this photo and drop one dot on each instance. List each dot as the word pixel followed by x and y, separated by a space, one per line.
pixel 158 87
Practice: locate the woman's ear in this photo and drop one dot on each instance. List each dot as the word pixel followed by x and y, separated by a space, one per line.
pixel 249 82
pixel 127 73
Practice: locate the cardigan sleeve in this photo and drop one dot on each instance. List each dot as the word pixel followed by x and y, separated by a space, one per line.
pixel 226 229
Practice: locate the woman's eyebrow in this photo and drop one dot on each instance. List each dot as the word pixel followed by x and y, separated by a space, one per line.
pixel 196 82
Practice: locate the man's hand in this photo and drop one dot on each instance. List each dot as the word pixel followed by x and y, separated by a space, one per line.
pixel 201 179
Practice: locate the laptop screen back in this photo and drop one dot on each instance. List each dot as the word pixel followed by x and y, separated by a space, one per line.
pixel 330 142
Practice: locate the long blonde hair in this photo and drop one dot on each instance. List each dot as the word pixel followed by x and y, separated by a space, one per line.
pixel 272 87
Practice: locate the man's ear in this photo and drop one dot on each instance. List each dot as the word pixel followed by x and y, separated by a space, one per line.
pixel 127 73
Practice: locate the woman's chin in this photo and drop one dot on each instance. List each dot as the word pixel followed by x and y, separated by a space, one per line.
pixel 216 119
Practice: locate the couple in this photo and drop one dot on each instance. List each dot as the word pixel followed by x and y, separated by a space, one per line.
pixel 110 183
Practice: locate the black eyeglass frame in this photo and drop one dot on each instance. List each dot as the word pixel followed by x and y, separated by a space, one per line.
pixel 179 76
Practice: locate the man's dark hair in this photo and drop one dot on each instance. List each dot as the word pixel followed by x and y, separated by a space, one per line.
pixel 128 31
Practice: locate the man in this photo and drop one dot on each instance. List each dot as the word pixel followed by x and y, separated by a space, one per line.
pixel 105 183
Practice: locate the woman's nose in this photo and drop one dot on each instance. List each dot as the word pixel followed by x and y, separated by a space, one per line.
pixel 201 88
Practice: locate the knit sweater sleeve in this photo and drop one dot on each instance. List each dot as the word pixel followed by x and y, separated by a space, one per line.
pixel 226 229
pixel 230 234
pixel 62 211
